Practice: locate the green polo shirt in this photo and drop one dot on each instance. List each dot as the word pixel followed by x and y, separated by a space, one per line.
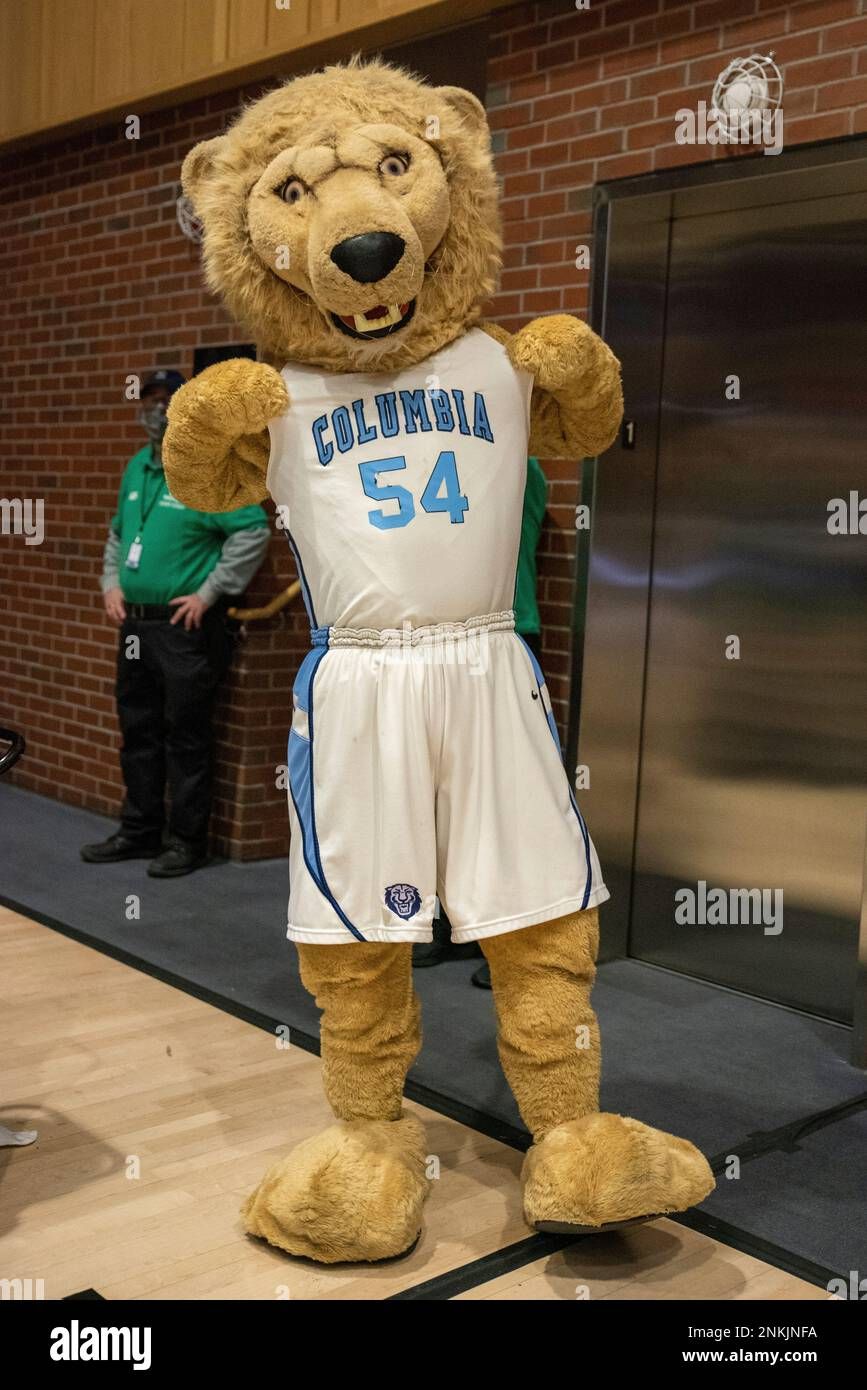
pixel 180 547
pixel 535 500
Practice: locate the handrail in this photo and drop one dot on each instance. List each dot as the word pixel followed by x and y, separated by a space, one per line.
pixel 14 751
pixel 252 615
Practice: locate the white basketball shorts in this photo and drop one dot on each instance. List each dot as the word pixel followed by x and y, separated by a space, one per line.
pixel 425 764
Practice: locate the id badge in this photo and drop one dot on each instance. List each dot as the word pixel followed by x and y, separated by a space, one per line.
pixel 133 558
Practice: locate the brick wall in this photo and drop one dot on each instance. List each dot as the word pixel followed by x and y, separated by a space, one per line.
pixel 100 283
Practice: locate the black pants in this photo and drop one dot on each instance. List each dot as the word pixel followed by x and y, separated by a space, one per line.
pixel 165 702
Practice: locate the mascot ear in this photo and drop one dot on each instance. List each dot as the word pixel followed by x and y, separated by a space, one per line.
pixel 199 165
pixel 469 108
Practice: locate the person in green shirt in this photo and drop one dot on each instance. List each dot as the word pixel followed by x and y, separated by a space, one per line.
pixel 167 574
pixel 527 621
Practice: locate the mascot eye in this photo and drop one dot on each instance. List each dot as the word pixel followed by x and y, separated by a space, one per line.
pixel 292 191
pixel 394 164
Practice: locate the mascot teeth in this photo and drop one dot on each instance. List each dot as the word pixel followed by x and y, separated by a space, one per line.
pixel 375 319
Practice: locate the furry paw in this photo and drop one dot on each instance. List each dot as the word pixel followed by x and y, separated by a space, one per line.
pixel 216 448
pixel 606 1170
pixel 354 1192
pixel 233 398
pixel 561 351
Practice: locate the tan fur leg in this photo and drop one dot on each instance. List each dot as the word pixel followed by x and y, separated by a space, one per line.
pixel 585 1170
pixel 356 1191
pixel 371 1028
pixel 548 1036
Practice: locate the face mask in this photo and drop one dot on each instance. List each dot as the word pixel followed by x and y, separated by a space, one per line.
pixel 153 419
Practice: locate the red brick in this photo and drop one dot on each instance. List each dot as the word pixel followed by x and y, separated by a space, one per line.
pixel 667 103
pixel 799 103
pixel 839 94
pixel 546 205
pixel 624 166
pixel 720 11
pixel 641 137
pixel 562 273
pixel 606 41
pixel 813 128
pixel 518 184
pixel 568 176
pixel 671 156
pixel 581 123
pixel 521 279
pixel 667 79
pixel 819 13
pixel 842 36
pixel 625 11
pixel 575 77
pixel 817 70
pixel 689 46
pixel 753 32
pixel 514 65
pixel 526 136
pixel 664 25
pixel 545 251
pixel 540 301
pixel 627 113
pixel 599 94
pixel 587 146
pixel 556 153
pixel 555 55
pixel 548 107
pixel 632 60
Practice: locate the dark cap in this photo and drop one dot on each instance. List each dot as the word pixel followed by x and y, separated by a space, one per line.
pixel 164 376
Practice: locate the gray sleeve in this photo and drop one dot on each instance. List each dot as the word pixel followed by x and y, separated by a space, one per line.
pixel 111 562
pixel 242 554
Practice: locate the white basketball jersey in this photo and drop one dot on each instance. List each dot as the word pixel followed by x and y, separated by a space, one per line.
pixel 402 496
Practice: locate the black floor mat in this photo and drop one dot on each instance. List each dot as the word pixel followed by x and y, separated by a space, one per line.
pixel 811 1199
pixel 699 1061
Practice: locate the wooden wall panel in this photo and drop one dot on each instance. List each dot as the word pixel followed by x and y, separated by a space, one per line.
pixel 157 45
pixel 76 62
pixel 248 27
pixel 290 28
pixel 206 35
pixel 20 64
pixel 112 54
pixel 67 57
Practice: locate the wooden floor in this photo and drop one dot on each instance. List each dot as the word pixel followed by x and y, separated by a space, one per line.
pixel 156 1115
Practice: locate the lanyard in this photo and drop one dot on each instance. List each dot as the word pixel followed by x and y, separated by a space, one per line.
pixel 144 513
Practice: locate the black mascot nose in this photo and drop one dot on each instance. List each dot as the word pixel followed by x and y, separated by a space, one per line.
pixel 370 256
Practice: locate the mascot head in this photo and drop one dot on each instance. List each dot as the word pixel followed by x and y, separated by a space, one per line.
pixel 351 217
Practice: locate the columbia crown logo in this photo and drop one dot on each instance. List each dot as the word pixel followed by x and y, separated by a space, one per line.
pixel 403 899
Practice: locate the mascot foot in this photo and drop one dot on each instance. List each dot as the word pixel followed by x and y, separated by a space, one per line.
pixel 605 1172
pixel 354 1192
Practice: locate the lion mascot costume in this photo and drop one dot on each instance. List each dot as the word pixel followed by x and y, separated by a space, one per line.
pixel 351 225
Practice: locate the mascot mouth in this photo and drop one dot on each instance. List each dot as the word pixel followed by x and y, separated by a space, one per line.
pixel 377 322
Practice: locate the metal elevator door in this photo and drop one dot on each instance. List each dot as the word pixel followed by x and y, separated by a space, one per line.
pixel 750 749
pixel 754 746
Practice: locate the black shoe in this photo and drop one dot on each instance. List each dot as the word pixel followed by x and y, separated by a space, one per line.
pixel 175 860
pixel 482 976
pixel 117 847
pixel 425 953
